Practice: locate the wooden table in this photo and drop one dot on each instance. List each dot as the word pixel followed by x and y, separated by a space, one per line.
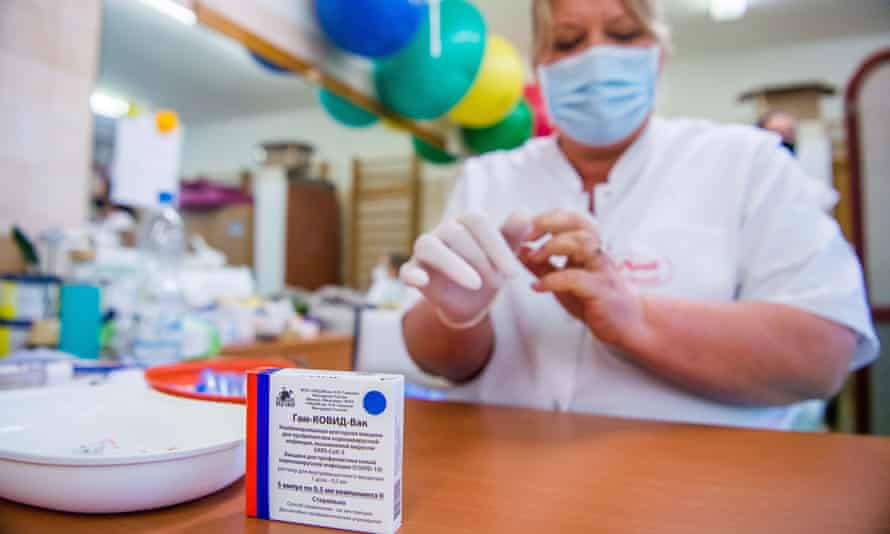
pixel 485 469
pixel 327 351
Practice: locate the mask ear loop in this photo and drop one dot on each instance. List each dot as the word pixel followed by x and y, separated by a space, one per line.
pixel 435 29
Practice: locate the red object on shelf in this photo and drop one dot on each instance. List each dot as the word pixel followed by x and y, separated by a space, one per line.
pixel 181 379
pixel 204 194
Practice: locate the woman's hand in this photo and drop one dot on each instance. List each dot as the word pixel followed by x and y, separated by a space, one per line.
pixel 589 287
pixel 459 268
pixel 461 265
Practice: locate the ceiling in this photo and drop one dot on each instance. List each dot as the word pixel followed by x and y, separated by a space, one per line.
pixel 158 62
pixel 767 23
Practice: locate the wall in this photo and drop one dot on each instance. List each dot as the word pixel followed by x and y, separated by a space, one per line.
pixel 48 54
pixel 220 149
pixel 704 85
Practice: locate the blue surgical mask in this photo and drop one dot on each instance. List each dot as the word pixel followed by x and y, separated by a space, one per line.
pixel 600 96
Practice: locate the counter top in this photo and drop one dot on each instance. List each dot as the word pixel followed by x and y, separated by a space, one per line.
pixel 472 468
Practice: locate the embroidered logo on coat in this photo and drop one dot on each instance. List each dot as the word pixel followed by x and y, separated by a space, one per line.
pixel 644 267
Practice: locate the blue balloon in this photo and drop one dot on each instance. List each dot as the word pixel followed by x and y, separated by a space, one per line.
pixel 268 65
pixel 370 28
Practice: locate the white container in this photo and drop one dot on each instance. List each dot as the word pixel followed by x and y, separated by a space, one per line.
pixel 115 448
pixel 326 448
pixel 13 336
pixel 27 297
pixel 29 373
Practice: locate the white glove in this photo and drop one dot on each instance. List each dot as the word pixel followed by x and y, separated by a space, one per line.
pixel 461 265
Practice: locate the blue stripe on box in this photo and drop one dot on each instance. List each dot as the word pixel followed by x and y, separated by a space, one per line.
pixel 262 449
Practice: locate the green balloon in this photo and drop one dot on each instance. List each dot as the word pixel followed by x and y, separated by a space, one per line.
pixel 415 84
pixel 511 132
pixel 344 111
pixel 428 152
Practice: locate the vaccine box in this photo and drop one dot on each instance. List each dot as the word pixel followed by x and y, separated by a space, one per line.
pixel 324 448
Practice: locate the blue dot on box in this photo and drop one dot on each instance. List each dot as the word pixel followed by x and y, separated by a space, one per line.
pixel 375 402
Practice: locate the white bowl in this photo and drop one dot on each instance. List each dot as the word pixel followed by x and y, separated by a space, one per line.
pixel 115 448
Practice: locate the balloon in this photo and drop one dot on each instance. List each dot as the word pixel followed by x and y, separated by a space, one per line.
pixel 371 28
pixel 344 111
pixel 432 154
pixel 268 65
pixel 535 99
pixel 497 88
pixel 511 132
pixel 416 84
pixel 166 121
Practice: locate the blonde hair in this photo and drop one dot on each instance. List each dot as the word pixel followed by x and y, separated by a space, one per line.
pixel 649 13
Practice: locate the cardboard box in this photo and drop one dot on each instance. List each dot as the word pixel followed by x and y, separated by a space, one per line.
pixel 324 448
pixel 10 258
pixel 228 229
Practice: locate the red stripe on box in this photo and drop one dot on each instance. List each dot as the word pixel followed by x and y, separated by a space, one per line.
pixel 250 478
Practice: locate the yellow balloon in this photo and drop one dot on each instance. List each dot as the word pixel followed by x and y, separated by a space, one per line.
pixel 166 121
pixel 497 88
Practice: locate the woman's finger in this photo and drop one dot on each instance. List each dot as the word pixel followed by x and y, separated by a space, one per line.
pixel 413 275
pixel 516 228
pixel 538 269
pixel 492 242
pixel 581 247
pixel 559 221
pixel 459 239
pixel 582 284
pixel 430 251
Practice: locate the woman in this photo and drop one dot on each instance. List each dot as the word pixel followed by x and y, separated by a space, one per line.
pixel 690 273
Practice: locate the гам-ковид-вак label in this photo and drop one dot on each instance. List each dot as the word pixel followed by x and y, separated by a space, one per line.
pixel 324 448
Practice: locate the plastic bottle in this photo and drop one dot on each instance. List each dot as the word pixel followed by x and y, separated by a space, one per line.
pixel 159 334
pixel 163 234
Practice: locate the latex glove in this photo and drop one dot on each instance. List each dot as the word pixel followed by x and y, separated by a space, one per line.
pixel 461 265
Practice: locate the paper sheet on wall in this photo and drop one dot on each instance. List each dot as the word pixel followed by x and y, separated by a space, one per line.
pixel 146 162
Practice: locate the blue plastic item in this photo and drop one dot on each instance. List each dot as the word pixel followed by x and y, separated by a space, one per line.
pixel 222 383
pixel 81 318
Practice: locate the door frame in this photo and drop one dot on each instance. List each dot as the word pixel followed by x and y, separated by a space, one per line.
pixel 857 187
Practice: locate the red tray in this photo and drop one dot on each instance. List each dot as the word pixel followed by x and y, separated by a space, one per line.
pixel 180 379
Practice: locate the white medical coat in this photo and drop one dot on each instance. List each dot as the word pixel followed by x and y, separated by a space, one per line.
pixel 691 210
